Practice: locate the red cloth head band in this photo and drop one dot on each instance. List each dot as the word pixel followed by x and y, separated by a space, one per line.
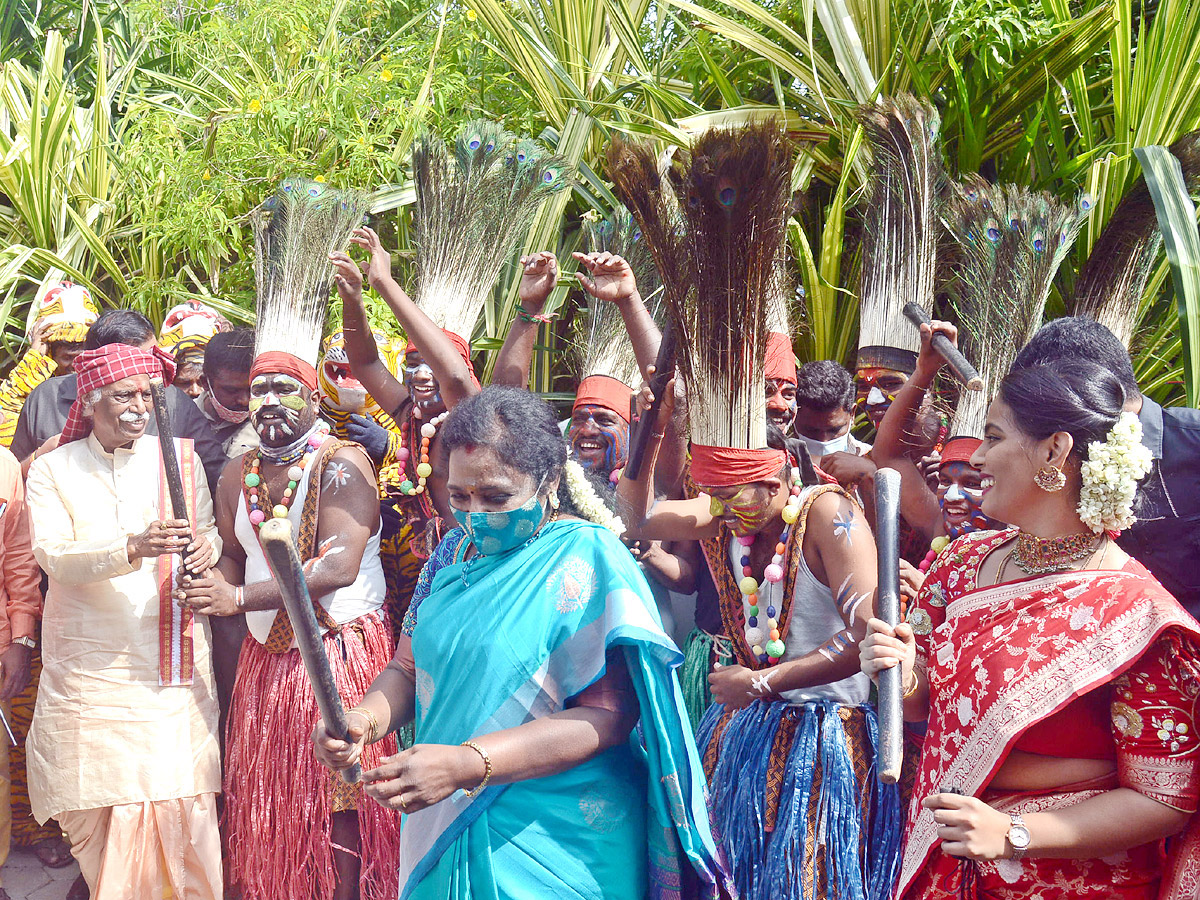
pixel 278 362
pixel 781 359
pixel 959 449
pixel 727 467
pixel 107 365
pixel 606 391
pixel 460 344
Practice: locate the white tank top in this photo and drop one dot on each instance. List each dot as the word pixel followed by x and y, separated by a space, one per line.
pixel 344 605
pixel 815 620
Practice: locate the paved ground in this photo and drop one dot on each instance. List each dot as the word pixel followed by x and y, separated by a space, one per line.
pixel 25 878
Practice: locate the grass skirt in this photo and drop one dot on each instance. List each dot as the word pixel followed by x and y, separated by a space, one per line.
pixel 278 799
pixel 795 804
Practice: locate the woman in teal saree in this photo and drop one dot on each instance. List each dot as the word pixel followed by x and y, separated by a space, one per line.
pixel 531 650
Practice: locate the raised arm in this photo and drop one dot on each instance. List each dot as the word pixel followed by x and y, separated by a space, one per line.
pixel 610 278
pixel 840 550
pixel 450 369
pixel 538 278
pixel 361 350
pixel 649 519
pixel 918 504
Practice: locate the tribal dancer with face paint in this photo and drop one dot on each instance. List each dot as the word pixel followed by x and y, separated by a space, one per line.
pixel 293 830
pixel 788 744
pixel 1012 243
pixel 475 201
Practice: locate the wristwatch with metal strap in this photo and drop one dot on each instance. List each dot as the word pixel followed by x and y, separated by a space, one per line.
pixel 1018 836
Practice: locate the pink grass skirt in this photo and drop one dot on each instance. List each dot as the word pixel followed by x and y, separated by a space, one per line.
pixel 278 799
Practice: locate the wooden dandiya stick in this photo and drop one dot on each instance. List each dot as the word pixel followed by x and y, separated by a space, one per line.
pixel 959 365
pixel 284 561
pixel 664 369
pixel 887 608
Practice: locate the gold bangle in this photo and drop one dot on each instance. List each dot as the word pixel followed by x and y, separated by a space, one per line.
pixel 916 683
pixel 487 769
pixel 372 722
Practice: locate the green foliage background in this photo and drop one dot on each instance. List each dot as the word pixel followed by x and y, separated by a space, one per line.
pixel 137 135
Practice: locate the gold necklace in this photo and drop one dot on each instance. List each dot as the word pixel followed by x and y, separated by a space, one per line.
pixel 1040 556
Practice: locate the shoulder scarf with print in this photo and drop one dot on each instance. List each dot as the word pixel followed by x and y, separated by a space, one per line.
pixel 1006 657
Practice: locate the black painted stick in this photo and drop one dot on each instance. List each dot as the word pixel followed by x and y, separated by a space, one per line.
pixel 959 365
pixel 664 369
pixel 284 560
pixel 166 443
pixel 891 687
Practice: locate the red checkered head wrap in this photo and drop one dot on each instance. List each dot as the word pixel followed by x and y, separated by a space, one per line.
pixel 107 365
pixel 460 344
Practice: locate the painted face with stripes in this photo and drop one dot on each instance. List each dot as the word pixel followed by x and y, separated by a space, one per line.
pixel 599 439
pixel 281 408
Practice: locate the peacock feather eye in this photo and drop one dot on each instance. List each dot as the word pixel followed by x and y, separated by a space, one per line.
pixel 473 143
pixel 314 190
pixel 1086 202
pixel 727 196
pixel 1015 223
pixel 637 234
pixel 1039 240
pixel 993 231
pixel 490 146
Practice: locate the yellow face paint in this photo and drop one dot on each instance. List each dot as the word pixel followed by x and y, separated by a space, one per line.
pixel 715 507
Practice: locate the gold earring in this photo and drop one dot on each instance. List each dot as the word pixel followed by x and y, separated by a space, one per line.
pixel 1050 479
pixel 554 501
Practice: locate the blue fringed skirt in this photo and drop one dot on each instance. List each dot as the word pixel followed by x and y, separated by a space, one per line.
pixel 795 804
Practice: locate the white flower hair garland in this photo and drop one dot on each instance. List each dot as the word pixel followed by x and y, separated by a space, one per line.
pixel 587 501
pixel 1111 474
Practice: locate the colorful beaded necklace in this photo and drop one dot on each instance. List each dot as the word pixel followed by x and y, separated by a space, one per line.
pixel 256 486
pixel 765 642
pixel 424 469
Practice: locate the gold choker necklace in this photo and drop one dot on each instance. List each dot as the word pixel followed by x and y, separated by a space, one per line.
pixel 1037 556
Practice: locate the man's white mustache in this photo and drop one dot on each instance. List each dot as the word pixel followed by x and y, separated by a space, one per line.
pixel 132 418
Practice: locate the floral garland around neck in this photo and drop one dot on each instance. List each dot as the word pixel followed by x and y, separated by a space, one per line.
pixel 587 501
pixel 424 469
pixel 1111 474
pixel 765 642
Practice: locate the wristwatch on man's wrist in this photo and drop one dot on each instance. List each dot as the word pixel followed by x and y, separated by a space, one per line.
pixel 1018 836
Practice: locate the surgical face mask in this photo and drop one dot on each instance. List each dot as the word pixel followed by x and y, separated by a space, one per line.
pixel 817 449
pixel 494 533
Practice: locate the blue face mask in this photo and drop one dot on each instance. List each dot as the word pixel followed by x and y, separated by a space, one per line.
pixel 493 533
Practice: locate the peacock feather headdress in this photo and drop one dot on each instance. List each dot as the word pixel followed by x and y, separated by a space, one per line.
pixel 1011 242
pixel 1111 282
pixel 600 343
pixel 715 223
pixel 900 228
pixel 295 230
pixel 474 203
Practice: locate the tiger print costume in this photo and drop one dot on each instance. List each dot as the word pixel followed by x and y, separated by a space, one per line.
pixel 32 370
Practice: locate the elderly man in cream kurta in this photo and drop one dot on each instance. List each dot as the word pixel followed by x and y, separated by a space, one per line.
pixel 123 747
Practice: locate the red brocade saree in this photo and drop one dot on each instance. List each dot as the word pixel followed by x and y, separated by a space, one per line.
pixel 1092 664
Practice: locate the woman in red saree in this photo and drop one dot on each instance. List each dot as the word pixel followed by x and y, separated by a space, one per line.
pixel 1059 681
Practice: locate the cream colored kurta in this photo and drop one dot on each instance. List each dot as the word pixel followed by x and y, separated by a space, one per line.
pixel 104 732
